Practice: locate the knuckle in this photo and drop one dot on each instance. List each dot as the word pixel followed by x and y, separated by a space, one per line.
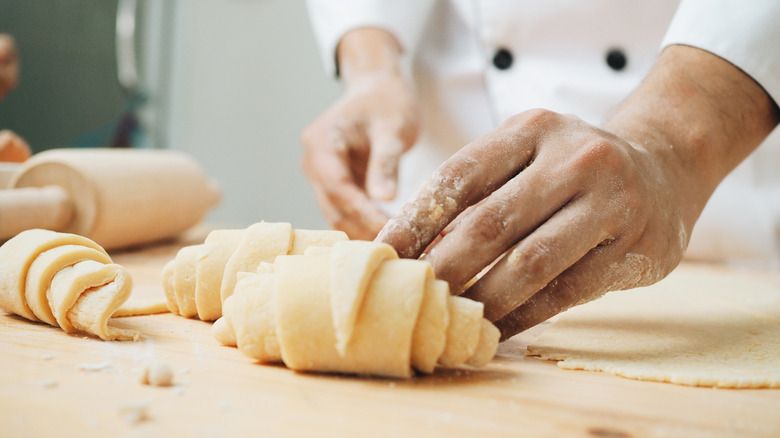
pixel 533 258
pixel 450 175
pixel 537 117
pixel 567 294
pixel 490 223
pixel 601 153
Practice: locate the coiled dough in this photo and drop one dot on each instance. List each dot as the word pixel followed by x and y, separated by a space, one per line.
pixel 64 280
pixel 354 308
pixel 201 277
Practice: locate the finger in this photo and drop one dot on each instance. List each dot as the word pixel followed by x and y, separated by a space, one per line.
pixel 387 147
pixel 603 269
pixel 499 221
pixel 357 225
pixel 467 177
pixel 346 206
pixel 344 203
pixel 543 255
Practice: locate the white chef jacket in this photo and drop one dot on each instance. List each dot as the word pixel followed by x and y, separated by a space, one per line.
pixel 477 62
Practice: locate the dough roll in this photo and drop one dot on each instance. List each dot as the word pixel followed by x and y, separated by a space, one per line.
pixel 64 280
pixel 354 308
pixel 201 277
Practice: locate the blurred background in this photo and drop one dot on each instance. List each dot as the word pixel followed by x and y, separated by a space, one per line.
pixel 231 82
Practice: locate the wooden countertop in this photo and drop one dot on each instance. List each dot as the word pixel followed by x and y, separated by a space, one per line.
pixel 70 385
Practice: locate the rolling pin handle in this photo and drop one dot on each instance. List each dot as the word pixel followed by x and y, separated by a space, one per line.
pixel 21 209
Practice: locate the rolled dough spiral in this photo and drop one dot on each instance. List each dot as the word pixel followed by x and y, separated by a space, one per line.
pixel 201 277
pixel 64 280
pixel 354 308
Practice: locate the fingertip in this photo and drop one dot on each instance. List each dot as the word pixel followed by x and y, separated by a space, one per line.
pixel 382 171
pixel 381 188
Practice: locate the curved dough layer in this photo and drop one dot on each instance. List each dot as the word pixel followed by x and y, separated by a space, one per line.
pixel 64 280
pixel 201 277
pixel 404 318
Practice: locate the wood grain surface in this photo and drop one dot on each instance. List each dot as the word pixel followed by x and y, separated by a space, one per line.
pixel 54 384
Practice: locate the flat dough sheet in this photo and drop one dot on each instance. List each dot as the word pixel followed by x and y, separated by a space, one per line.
pixel 700 326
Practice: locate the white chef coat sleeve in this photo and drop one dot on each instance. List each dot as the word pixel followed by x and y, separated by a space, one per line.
pixel 331 19
pixel 745 33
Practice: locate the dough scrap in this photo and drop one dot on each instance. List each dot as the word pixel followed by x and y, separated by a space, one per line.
pixel 405 318
pixel 64 280
pixel 157 373
pixel 142 307
pixel 697 327
pixel 201 277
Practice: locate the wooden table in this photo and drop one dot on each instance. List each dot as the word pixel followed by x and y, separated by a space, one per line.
pixel 70 385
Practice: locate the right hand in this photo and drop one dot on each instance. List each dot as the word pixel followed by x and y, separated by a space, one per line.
pixel 352 150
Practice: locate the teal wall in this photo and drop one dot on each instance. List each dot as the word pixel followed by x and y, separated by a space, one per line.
pixel 68 87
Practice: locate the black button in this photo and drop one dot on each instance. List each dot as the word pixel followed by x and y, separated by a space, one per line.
pixel 616 59
pixel 502 59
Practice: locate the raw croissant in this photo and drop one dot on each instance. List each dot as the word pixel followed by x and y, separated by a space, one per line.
pixel 64 280
pixel 201 277
pixel 354 308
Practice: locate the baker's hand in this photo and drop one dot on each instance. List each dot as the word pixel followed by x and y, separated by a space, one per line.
pixel 352 150
pixel 9 65
pixel 574 211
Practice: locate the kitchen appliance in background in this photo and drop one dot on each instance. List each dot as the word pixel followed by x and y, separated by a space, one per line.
pixel 230 82
pixel 89 69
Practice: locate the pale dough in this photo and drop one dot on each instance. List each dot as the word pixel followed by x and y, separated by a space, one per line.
pixel 157 373
pixel 141 307
pixel 404 319
pixel 351 268
pixel 219 247
pixel 699 326
pixel 64 280
pixel 201 277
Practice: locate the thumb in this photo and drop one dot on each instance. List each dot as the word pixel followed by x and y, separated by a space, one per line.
pixel 387 146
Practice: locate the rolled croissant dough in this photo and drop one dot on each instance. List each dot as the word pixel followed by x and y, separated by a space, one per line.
pixel 64 280
pixel 354 308
pixel 699 326
pixel 201 277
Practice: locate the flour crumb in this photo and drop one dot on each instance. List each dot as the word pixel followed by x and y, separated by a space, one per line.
pixel 157 373
pixel 134 411
pixel 47 356
pixel 94 366
pixel 49 383
pixel 514 257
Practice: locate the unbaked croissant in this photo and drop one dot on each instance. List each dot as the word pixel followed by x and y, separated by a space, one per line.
pixel 354 308
pixel 64 280
pixel 201 277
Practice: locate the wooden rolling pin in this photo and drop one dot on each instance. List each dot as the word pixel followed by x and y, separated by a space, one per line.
pixel 116 197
